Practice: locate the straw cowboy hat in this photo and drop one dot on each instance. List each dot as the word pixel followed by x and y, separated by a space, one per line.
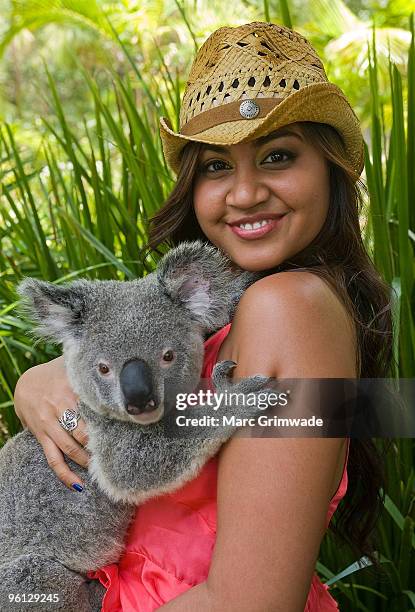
pixel 252 79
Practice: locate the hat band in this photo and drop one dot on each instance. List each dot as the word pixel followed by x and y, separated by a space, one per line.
pixel 226 112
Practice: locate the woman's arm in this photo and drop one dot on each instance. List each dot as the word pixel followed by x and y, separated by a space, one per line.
pixel 41 395
pixel 274 493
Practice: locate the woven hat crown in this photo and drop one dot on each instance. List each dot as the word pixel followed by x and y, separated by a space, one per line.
pixel 255 60
pixel 249 80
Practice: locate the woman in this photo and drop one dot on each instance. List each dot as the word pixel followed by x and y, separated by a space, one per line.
pixel 268 158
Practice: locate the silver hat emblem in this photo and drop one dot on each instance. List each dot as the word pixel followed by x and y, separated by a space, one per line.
pixel 249 109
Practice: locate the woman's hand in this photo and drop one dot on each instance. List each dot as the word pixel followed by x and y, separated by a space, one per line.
pixel 41 396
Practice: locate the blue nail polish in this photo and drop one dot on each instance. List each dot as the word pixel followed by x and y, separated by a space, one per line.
pixel 77 487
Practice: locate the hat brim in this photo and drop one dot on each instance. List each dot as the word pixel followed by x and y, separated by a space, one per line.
pixel 319 102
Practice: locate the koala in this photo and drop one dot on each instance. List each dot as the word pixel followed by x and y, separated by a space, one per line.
pixel 127 347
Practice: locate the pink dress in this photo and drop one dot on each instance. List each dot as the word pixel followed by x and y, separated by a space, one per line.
pixel 171 539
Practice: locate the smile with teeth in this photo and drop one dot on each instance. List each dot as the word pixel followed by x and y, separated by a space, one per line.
pixel 254 226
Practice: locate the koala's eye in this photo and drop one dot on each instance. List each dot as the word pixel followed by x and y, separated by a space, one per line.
pixel 103 368
pixel 168 355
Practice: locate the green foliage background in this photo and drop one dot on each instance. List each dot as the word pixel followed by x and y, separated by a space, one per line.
pixel 82 85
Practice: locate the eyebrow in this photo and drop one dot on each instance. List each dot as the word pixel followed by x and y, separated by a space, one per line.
pixel 261 140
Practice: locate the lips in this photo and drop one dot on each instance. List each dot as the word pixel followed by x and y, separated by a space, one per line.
pixel 270 225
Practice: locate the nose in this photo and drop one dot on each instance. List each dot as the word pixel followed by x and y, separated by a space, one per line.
pixel 137 386
pixel 248 188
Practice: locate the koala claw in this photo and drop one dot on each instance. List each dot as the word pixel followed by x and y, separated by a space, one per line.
pixel 221 371
pixel 252 384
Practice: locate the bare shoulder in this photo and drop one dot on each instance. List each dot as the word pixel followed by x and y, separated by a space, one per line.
pixel 293 324
pixel 299 290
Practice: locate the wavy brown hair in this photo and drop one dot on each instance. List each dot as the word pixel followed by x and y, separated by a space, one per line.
pixel 338 255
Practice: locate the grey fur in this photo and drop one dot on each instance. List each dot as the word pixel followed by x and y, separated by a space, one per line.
pixel 50 536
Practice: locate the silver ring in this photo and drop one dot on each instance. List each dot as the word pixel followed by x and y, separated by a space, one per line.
pixel 69 419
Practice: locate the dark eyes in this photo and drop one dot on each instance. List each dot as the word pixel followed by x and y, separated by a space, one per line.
pixel 167 357
pixel 277 156
pixel 280 156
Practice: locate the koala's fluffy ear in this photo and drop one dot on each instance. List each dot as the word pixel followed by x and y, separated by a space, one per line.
pixel 200 277
pixel 58 310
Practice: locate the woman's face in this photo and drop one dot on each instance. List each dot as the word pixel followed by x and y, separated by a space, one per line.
pixel 279 181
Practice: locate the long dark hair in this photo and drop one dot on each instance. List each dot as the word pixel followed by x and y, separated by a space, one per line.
pixel 338 255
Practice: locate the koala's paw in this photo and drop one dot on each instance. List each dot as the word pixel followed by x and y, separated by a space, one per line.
pixel 252 384
pixel 220 373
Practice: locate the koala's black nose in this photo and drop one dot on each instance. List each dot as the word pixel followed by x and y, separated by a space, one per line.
pixel 137 387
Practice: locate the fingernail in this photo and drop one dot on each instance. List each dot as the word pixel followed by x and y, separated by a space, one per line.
pixel 77 487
